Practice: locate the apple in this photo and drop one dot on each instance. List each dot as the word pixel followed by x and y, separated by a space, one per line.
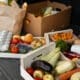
pixel 16 36
pixel 38 73
pixel 30 71
pixel 15 41
pixel 48 77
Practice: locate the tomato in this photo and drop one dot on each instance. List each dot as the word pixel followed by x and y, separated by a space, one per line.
pixel 37 79
pixel 15 41
pixel 14 49
pixel 30 71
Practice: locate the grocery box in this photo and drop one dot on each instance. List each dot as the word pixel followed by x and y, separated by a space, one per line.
pixel 36 44
pixel 37 24
pixel 26 60
pixel 66 35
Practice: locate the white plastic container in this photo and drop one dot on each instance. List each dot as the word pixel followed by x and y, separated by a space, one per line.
pixel 47 35
pixel 27 59
pixel 16 55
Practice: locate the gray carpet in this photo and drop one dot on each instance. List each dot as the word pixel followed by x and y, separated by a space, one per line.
pixel 10 69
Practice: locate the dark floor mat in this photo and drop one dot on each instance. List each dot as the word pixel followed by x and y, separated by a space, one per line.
pixel 10 68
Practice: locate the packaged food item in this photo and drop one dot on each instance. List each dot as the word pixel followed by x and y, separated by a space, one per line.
pixel 75 48
pixel 5 38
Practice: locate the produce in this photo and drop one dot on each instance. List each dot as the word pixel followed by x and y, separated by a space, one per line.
pixel 50 55
pixel 67 75
pixel 22 38
pixel 75 76
pixel 71 55
pixel 54 59
pixel 62 45
pixel 37 42
pixel 37 79
pixel 38 73
pixel 39 64
pixel 64 67
pixel 14 49
pixel 77 61
pixel 28 38
pixel 30 71
pixel 65 35
pixel 15 41
pixel 60 62
pixel 24 48
pixel 48 77
pixel 42 40
pixel 16 36
pixel 47 11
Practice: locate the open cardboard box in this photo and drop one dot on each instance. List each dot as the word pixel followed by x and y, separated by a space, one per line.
pixel 26 60
pixel 37 25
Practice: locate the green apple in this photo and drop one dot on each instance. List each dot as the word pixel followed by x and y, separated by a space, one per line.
pixel 48 77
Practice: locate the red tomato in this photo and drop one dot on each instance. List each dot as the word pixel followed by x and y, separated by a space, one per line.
pixel 15 41
pixel 37 79
pixel 14 49
pixel 30 71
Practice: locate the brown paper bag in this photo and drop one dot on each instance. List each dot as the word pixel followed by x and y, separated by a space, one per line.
pixel 11 17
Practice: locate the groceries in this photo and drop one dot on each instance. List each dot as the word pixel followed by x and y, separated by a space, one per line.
pixel 5 37
pixel 67 75
pixel 66 35
pixel 39 66
pixel 27 42
pixel 62 45
pixel 64 67
pixel 75 76
pixel 47 11
pixel 16 44
pixel 75 48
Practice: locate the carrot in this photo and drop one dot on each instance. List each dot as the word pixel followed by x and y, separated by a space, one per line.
pixel 63 35
pixel 67 75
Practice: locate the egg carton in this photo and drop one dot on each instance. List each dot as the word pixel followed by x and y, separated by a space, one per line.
pixel 47 35
pixel 26 60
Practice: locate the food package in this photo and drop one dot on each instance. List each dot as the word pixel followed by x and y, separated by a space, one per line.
pixel 11 17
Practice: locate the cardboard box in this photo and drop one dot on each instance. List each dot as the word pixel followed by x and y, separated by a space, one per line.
pixel 27 59
pixel 38 25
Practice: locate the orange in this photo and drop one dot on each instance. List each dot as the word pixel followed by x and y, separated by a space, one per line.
pixel 28 38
